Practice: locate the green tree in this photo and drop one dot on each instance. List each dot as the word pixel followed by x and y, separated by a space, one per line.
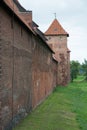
pixel 74 68
pixel 84 66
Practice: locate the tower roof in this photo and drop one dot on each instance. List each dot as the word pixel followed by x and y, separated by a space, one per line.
pixel 56 29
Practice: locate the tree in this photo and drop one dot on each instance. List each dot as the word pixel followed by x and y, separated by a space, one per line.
pixel 74 68
pixel 84 66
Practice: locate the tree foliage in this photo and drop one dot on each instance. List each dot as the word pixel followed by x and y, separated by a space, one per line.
pixel 74 67
pixel 84 67
pixel 78 69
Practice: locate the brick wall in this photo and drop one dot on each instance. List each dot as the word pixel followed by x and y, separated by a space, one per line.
pixel 43 72
pixel 16 80
pixel 55 72
pixel 59 45
pixel 27 70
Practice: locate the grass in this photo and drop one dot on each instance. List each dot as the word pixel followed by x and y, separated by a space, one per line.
pixel 79 78
pixel 64 109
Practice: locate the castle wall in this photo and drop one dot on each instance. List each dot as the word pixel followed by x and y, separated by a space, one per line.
pixel 43 76
pixel 59 44
pixel 26 70
pixel 16 62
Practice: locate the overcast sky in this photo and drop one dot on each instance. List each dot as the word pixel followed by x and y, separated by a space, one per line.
pixel 72 15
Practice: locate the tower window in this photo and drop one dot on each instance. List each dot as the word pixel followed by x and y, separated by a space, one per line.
pixel 49 38
pixel 55 29
pixel 60 37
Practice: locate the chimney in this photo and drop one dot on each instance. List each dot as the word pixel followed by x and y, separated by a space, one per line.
pixel 27 16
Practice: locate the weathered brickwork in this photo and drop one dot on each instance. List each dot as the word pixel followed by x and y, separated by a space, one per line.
pixel 16 70
pixel 57 40
pixel 0 77
pixel 43 72
pixel 27 70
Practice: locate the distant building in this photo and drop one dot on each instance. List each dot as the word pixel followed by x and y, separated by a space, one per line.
pixel 57 40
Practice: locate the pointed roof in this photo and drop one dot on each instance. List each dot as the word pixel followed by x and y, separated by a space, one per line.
pixel 56 29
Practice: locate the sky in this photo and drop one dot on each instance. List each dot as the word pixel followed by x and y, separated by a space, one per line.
pixel 72 15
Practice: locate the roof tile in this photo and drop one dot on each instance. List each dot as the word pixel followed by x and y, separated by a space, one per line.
pixel 56 29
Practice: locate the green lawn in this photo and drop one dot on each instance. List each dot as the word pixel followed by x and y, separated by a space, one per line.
pixel 80 78
pixel 64 109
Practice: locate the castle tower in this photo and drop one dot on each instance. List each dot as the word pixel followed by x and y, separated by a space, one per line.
pixel 57 40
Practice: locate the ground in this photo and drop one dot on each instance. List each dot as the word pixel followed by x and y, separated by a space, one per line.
pixel 64 109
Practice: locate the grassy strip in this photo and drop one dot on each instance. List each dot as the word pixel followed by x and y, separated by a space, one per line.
pixel 79 78
pixel 64 109
pixel 78 96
